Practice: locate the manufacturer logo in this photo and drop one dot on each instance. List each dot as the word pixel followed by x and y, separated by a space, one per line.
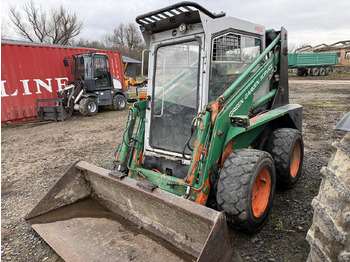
pixel 252 89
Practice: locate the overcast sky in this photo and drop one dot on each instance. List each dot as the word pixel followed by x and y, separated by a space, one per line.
pixel 307 21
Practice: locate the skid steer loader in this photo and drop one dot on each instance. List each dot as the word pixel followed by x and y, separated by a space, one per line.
pixel 205 149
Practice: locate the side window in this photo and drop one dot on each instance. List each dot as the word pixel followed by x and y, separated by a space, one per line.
pixel 101 71
pixel 227 48
pixel 347 55
pixel 231 55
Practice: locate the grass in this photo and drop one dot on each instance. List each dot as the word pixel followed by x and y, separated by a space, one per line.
pixel 317 103
pixel 277 223
pixel 133 95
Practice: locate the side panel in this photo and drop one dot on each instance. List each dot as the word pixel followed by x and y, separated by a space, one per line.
pixel 312 59
pixel 31 72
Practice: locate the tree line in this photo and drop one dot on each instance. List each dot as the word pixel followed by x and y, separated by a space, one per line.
pixel 61 26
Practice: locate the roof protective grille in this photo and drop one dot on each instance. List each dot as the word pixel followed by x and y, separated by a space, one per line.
pixel 172 16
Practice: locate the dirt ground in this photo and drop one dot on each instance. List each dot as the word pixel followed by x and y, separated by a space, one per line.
pixel 34 155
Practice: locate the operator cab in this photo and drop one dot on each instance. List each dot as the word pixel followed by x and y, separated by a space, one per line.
pixel 195 56
pixel 95 71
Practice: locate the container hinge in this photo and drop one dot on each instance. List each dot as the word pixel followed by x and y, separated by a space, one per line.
pixel 148 186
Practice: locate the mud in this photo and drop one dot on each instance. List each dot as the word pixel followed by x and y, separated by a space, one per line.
pixel 35 154
pixel 86 223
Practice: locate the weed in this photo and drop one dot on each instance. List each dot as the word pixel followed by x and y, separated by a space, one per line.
pixel 277 223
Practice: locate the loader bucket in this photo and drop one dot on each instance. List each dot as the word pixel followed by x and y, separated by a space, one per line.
pixel 91 214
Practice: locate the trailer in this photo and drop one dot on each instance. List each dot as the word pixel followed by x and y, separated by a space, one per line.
pixel 32 71
pixel 313 64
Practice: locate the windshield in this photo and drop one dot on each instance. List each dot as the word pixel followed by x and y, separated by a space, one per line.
pixel 83 70
pixel 175 95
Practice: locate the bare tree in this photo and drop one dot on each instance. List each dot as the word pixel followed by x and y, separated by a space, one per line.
pixel 127 39
pixel 57 28
pixel 84 42
pixel 291 47
pixel 4 28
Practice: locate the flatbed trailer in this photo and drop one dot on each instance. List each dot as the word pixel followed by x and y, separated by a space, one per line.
pixel 313 64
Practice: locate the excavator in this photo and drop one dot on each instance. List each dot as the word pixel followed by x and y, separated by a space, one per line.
pixel 203 152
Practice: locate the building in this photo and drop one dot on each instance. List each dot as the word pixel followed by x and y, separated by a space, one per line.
pixel 342 48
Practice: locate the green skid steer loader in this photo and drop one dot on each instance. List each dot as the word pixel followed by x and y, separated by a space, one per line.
pixel 207 148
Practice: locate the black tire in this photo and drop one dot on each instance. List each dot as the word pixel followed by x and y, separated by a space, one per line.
pixel 300 72
pixel 322 71
pixel 288 156
pixel 236 184
pixel 329 233
pixel 119 102
pixel 314 71
pixel 88 106
pixel 329 70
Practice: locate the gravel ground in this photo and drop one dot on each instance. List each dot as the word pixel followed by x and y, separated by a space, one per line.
pixel 35 154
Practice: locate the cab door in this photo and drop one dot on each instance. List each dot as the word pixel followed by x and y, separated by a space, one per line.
pixel 101 71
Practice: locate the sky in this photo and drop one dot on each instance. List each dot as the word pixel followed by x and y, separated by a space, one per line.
pixel 307 21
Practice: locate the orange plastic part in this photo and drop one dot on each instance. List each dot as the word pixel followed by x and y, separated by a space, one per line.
pixel 295 161
pixel 261 192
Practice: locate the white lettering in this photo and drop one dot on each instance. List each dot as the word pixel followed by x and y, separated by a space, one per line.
pixel 237 106
pixel 3 91
pixel 25 87
pixel 39 83
pixel 15 93
pixel 60 84
pixel 251 90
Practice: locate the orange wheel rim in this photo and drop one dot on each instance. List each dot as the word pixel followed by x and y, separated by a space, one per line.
pixel 295 161
pixel 261 192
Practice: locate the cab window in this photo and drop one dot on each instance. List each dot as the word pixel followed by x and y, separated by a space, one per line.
pixel 231 55
pixel 101 71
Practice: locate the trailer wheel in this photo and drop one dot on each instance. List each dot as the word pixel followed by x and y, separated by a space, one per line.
pixel 322 71
pixel 329 70
pixel 314 71
pixel 119 102
pixel 88 106
pixel 286 147
pixel 245 189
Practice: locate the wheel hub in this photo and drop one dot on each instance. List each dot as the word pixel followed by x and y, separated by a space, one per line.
pixel 261 192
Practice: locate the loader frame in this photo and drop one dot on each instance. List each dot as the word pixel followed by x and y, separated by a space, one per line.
pixel 217 131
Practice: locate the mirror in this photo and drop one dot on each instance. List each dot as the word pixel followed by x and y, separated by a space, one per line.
pixel 143 61
pixel 65 62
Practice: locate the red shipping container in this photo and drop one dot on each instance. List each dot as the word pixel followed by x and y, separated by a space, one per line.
pixel 34 71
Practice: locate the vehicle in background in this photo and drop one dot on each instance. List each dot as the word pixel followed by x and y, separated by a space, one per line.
pixel 31 71
pixel 313 64
pixel 93 85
